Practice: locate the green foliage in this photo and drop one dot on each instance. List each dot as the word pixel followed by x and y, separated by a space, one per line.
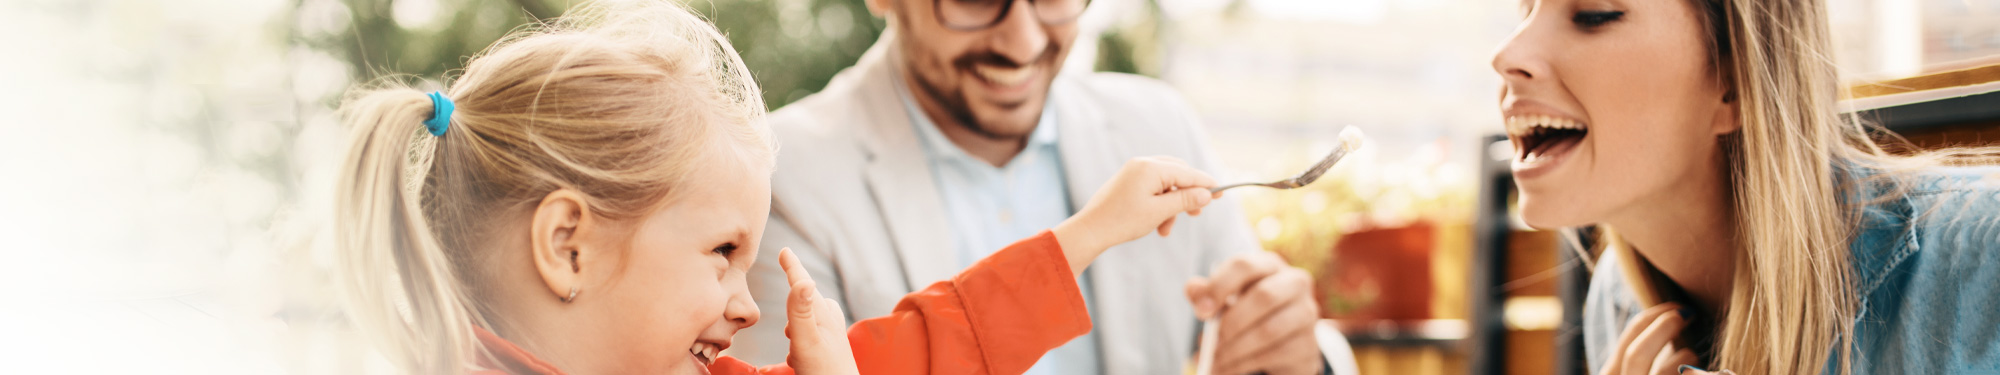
pixel 793 47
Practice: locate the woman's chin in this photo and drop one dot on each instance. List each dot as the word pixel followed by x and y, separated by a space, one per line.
pixel 1540 214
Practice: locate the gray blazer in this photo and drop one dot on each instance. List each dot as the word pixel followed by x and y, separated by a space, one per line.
pixel 853 196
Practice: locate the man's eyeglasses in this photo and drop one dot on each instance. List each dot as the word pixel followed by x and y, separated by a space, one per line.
pixel 974 15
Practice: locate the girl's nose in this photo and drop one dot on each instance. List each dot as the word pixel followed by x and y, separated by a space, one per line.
pixel 741 310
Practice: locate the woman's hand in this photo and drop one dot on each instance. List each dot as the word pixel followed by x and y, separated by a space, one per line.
pixel 1647 346
pixel 815 325
pixel 1144 197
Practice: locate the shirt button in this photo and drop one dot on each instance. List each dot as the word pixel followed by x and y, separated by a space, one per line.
pixel 1006 216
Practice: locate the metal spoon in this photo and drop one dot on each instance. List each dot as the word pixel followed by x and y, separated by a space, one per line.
pixel 1350 139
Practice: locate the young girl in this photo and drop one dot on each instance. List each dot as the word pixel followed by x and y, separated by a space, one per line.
pixel 1767 234
pixel 587 197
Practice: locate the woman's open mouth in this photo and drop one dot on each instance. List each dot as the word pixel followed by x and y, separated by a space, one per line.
pixel 1542 139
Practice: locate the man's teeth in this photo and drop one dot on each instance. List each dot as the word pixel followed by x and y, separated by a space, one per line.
pixel 1003 76
pixel 1523 124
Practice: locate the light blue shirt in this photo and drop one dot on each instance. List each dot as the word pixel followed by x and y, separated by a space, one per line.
pixel 990 208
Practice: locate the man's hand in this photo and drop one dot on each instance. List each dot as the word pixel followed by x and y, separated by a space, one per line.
pixel 1268 313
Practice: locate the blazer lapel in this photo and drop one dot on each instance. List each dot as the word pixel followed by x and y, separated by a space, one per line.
pixel 899 174
pixel 1089 159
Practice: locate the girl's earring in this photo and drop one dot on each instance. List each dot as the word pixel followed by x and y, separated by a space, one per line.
pixel 572 295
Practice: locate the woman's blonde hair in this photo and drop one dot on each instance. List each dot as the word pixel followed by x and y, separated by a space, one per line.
pixel 618 102
pixel 1793 299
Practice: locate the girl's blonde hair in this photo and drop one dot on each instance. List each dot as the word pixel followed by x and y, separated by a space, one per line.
pixel 1793 299
pixel 618 102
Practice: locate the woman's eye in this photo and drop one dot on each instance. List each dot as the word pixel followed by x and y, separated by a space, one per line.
pixel 726 250
pixel 1593 19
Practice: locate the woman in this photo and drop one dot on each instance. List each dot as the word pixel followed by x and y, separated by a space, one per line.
pixel 1748 227
pixel 587 197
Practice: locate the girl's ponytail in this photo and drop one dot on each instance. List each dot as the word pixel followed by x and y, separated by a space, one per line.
pixel 619 101
pixel 397 276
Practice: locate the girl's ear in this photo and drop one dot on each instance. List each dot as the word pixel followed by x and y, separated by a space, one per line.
pixel 1726 119
pixel 559 241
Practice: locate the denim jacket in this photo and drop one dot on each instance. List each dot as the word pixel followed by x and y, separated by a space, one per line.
pixel 1926 264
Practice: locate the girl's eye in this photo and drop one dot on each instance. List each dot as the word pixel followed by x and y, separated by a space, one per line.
pixel 1592 19
pixel 726 250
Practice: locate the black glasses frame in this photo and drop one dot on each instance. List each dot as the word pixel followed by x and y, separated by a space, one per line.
pixel 937 11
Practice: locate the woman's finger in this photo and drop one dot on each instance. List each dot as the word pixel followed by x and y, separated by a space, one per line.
pixel 1692 370
pixel 1633 328
pixel 1648 344
pixel 1670 362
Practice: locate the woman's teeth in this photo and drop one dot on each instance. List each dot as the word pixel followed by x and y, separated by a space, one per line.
pixel 1520 125
pixel 1535 136
pixel 704 352
pixel 1003 76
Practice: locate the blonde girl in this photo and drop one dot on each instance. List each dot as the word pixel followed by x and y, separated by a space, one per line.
pixel 588 195
pixel 1750 228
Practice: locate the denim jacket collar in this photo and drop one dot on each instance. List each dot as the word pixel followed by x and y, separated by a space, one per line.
pixel 1883 237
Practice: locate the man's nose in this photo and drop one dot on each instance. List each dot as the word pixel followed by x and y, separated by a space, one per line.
pixel 1020 36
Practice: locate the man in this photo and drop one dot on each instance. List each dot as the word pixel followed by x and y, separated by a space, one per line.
pixel 954 136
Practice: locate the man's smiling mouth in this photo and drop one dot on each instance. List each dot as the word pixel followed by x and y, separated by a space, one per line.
pixel 1004 76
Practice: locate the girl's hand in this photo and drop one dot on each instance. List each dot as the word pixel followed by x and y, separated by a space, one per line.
pixel 1647 347
pixel 815 325
pixel 1144 197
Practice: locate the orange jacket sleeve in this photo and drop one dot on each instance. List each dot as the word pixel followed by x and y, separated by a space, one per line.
pixel 997 317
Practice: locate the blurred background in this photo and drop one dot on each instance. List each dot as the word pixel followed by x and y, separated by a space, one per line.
pixel 166 163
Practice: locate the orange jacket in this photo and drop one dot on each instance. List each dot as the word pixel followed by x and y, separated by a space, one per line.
pixel 997 317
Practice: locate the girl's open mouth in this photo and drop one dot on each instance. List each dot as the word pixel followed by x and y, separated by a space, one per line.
pixel 1540 138
pixel 705 352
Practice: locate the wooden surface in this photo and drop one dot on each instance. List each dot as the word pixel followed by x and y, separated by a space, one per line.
pixel 1956 106
pixel 1966 76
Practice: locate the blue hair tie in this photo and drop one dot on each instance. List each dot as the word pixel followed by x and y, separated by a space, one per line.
pixel 441 108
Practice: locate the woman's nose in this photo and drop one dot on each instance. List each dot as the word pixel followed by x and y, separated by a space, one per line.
pixel 1521 58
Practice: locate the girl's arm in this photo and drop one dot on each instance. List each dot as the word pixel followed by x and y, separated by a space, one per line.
pixel 1003 313
pixel 997 317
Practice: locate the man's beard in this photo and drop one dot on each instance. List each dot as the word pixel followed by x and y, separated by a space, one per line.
pixel 959 108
